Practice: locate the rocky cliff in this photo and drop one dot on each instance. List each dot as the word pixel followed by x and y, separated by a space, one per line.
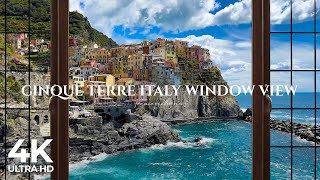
pixel 88 137
pixel 186 106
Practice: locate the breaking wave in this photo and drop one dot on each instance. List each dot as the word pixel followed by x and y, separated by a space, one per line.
pixel 202 143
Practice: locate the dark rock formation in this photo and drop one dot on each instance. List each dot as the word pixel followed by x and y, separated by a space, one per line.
pixel 247 114
pixel 93 138
pixel 304 131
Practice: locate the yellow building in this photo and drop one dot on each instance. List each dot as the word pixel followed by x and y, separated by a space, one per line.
pixel 135 61
pixel 102 55
pixel 120 68
pixel 79 81
pixel 125 81
pixel 181 52
pixel 170 52
pixel 83 62
pixel 122 51
pixel 107 78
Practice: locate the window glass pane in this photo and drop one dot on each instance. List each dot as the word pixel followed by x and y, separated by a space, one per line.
pixel 278 23
pixel 17 8
pixel 318 51
pixel 303 160
pixel 303 127
pixel 280 78
pixel 280 159
pixel 318 89
pixel 304 97
pixel 17 24
pixel 2 4
pixel 302 22
pixel 318 127
pixel 17 126
pixel 280 128
pixel 280 57
pixel 15 82
pixel 302 51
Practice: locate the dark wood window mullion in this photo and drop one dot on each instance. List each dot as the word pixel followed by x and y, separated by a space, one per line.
pixel 266 80
pixel 260 76
pixel 59 76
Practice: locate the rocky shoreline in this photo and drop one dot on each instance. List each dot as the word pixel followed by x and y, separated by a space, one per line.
pixel 198 120
pixel 304 131
pixel 89 138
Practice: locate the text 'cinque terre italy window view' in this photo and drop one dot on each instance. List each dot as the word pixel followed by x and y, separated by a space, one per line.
pixel 162 89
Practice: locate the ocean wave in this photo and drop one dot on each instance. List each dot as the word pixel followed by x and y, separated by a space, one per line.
pixel 178 130
pixel 85 162
pixel 299 140
pixel 161 164
pixel 202 143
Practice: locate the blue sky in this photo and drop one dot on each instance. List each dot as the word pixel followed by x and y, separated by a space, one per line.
pixel 222 26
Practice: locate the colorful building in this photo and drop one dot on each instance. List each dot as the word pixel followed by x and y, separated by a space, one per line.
pixel 86 71
pixel 79 81
pixel 124 82
pixel 107 78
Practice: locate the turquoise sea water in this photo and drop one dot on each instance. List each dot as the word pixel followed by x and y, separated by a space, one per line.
pixel 224 153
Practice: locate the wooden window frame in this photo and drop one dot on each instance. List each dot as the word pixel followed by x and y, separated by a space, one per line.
pixel 59 114
pixel 260 75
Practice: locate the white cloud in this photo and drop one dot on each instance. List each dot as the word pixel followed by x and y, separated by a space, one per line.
pixel 280 11
pixel 235 60
pixel 169 15
pixel 74 5
pixel 182 15
pixel 302 54
pixel 237 13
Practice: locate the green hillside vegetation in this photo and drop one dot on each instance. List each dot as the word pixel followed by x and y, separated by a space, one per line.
pixel 9 48
pixel 18 18
pixel 13 89
pixel 11 55
pixel 80 26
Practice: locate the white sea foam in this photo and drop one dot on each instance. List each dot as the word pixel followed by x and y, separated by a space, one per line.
pixel 78 165
pixel 178 131
pixel 85 162
pixel 161 164
pixel 202 143
pixel 100 157
pixel 303 141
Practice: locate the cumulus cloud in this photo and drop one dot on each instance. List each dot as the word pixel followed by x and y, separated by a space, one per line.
pixel 74 5
pixel 235 61
pixel 280 11
pixel 302 54
pixel 169 15
pixel 181 15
